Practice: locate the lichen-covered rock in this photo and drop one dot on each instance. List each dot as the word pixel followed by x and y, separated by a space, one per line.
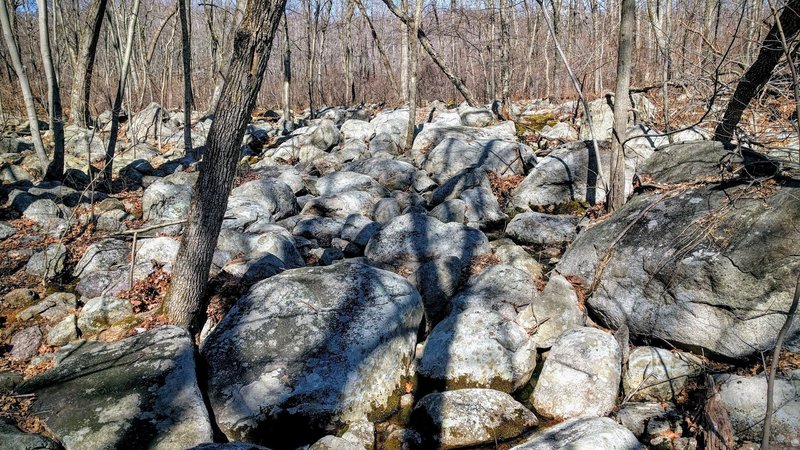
pixel 339 182
pixel 469 417
pixel 104 254
pixel 745 400
pixel 140 392
pixel 54 307
pixel 100 313
pixel 476 117
pixel 436 282
pixel 390 173
pixel 684 162
pixel 414 239
pixel 514 255
pixel 553 312
pixel 536 228
pixel 496 286
pixel 258 203
pixel 49 263
pixel 585 433
pixel 580 376
pixel 12 438
pixel 657 374
pixel 360 130
pixel 168 200
pixel 685 269
pixel 479 348
pixel 451 156
pixel 334 443
pixel 25 343
pixel 311 348
pixel 340 205
pixel 63 332
pixel 569 173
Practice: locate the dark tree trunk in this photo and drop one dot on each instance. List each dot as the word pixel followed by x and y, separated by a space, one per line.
pixel 84 65
pixel 622 104
pixel 251 50
pixel 188 98
pixel 759 73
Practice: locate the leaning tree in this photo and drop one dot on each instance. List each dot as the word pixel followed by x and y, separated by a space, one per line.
pixel 248 64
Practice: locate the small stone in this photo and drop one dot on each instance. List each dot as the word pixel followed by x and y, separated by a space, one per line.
pixel 25 344
pixel 100 313
pixel 63 332
pixel 6 230
pixel 49 263
pixel 20 297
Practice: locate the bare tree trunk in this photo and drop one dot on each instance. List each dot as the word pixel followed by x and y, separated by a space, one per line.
pixel 55 170
pixel 437 59
pixel 622 105
pixel 505 67
pixel 413 46
pixel 84 64
pixel 347 57
pixel 385 59
pixel 248 63
pixel 25 86
pixel 117 109
pixel 188 97
pixel 288 123
pixel 759 72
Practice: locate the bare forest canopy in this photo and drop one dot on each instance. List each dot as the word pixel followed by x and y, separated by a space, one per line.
pixel 701 47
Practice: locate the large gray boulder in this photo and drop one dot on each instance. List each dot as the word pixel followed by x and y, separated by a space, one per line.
pixel 168 200
pixel 470 417
pixel 478 348
pixel 585 433
pixel 580 376
pixel 569 173
pixel 432 134
pixel 414 239
pixel 745 400
pixel 48 263
pixel 258 204
pixel 553 312
pixel 312 348
pixel 451 156
pixel 537 228
pixel 685 162
pixel 686 270
pixel 148 123
pixel 102 255
pixel 657 374
pixel 390 173
pixel 602 113
pixel 140 392
pixel 11 438
pixel 360 130
pixel 495 287
pixel 343 181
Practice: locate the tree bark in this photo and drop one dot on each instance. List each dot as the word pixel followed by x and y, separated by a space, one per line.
pixel 622 104
pixel 25 86
pixel 188 98
pixel 251 50
pixel 760 71
pixel 55 170
pixel 84 65
pixel 413 46
pixel 288 123
pixel 505 66
pixel 437 59
pixel 116 111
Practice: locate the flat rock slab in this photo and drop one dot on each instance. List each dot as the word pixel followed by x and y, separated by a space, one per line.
pixel 583 434
pixel 309 349
pixel 694 268
pixel 468 417
pixel 537 228
pixel 140 392
pixel 580 376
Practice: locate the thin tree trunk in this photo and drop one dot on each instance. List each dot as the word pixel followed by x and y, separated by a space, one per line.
pixel 760 71
pixel 25 86
pixel 622 105
pixel 117 109
pixel 248 63
pixel 188 97
pixel 55 170
pixel 413 46
pixel 288 123
pixel 384 58
pixel 347 57
pixel 84 64
pixel 437 59
pixel 505 66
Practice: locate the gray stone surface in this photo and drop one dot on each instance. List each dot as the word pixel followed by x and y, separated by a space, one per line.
pixel 684 162
pixel 100 313
pixel 553 312
pixel 390 173
pixel 25 343
pixel 338 182
pixel 102 255
pixel 514 255
pixel 6 230
pixel 48 263
pixel 436 282
pixel 258 203
pixel 635 415
pixel 312 346
pixel 580 376
pixel 168 200
pixel 63 332
pixel 469 417
pixel 140 392
pixel 657 374
pixel 357 129
pixel 451 156
pixel 11 438
pixel 496 286
pixel 583 434
pixel 479 348
pixel 414 239
pixel 54 307
pixel 745 400
pixel 666 279
pixel 537 228
pixel 334 443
